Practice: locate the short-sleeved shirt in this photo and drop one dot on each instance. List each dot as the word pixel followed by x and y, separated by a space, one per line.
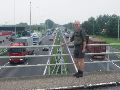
pixel 78 37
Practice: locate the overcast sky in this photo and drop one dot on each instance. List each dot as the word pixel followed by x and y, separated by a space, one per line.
pixel 60 11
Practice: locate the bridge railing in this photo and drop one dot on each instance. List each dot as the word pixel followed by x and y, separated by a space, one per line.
pixel 37 46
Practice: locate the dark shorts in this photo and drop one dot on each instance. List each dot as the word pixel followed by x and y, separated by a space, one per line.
pixel 78 51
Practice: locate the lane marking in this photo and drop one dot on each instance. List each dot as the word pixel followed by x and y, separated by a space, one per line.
pixel 91 60
pixel 48 61
pixel 101 65
pixel 113 63
pixel 5 64
pixel 116 65
pixel 70 54
pixel 26 63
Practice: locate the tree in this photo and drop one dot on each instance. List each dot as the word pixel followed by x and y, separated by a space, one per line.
pixel 69 26
pixel 103 25
pixel 101 22
pixel 89 26
pixel 112 26
pixel 49 24
pixel 22 24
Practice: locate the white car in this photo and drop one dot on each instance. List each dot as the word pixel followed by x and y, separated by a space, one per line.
pixel 66 35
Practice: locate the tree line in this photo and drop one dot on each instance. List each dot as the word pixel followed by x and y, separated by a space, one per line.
pixel 48 24
pixel 106 25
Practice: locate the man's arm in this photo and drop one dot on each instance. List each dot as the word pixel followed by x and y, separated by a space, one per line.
pixel 70 40
pixel 84 41
pixel 84 46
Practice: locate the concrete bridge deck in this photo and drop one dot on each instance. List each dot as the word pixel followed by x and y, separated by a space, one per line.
pixel 60 81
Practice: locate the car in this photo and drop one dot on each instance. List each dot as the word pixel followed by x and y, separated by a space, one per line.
pixel 71 34
pixel 66 35
pixel 40 42
pixel 51 38
pixel 43 34
pixel 45 49
pixel 71 46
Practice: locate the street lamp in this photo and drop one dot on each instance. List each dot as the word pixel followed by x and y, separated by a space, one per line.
pixel 93 27
pixel 118 27
pixel 14 18
pixel 30 15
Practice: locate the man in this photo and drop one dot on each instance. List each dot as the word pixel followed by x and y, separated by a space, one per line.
pixel 79 48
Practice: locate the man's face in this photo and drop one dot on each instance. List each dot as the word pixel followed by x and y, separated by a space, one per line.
pixel 77 26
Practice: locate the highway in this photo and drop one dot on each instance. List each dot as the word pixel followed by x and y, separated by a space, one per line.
pixel 27 71
pixel 30 71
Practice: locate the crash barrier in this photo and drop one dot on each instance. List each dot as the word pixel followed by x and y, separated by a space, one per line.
pixel 36 46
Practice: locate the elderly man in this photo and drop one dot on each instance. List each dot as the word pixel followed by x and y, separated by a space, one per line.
pixel 79 48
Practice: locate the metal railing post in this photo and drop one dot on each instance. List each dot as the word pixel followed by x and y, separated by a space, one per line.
pixel 108 57
pixel 49 68
pixel 61 60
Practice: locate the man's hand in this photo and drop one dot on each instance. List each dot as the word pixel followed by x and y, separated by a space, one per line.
pixel 84 47
pixel 63 44
pixel 83 51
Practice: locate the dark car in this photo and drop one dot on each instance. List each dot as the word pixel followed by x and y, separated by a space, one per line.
pixel 45 49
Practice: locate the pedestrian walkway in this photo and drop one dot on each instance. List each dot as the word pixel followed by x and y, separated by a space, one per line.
pixel 60 81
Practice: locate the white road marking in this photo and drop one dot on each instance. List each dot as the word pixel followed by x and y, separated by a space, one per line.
pixel 112 63
pixel 26 63
pixel 48 61
pixel 116 65
pixel 5 64
pixel 90 59
pixel 70 53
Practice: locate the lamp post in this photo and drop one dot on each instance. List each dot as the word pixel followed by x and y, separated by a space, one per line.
pixel 118 27
pixel 37 17
pixel 14 19
pixel 93 27
pixel 30 15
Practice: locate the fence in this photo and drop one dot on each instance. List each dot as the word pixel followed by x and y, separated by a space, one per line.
pixel 106 53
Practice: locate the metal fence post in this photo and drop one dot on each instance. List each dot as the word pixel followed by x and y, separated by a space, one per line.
pixel 61 60
pixel 49 68
pixel 108 56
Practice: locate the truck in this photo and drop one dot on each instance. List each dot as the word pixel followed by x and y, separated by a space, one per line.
pixel 36 39
pixel 96 49
pixel 4 35
pixel 22 41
